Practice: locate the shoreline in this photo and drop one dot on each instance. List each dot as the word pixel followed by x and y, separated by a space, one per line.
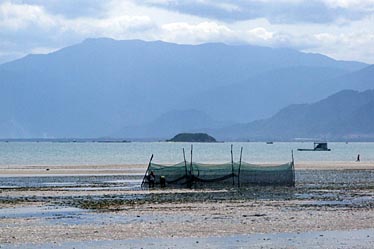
pixel 328 204
pixel 42 223
pixel 139 169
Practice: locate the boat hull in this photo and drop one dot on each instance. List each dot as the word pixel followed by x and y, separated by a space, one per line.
pixel 312 150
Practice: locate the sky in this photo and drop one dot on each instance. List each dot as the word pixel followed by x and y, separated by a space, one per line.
pixel 341 29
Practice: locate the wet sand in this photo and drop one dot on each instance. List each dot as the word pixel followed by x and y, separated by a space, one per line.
pixel 124 169
pixel 331 206
pixel 327 239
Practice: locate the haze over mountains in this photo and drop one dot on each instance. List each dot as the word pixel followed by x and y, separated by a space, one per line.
pixel 346 115
pixel 137 89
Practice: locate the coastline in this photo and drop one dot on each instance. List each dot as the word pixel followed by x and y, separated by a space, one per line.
pixel 139 169
pixel 78 206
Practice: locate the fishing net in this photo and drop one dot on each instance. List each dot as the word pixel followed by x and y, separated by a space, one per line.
pixel 188 174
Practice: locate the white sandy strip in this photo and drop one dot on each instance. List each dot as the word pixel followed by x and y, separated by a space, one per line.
pixel 138 169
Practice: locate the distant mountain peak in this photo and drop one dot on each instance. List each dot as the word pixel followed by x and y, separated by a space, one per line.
pixel 346 115
pixel 97 87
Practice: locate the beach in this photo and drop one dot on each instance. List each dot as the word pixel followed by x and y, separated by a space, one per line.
pixel 73 206
pixel 187 124
pixel 138 169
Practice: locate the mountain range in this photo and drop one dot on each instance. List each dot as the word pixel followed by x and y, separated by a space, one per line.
pixel 346 115
pixel 137 89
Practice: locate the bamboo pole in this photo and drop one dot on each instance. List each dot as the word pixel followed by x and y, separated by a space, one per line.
pixel 240 164
pixel 145 175
pixel 191 169
pixel 232 166
pixel 293 169
pixel 292 156
pixel 185 162
pixel 190 176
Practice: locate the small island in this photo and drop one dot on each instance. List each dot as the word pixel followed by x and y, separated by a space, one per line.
pixel 193 137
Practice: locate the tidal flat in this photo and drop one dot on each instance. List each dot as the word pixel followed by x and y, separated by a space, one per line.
pixel 331 207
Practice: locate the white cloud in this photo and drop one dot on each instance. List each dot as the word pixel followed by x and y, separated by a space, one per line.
pixel 15 17
pixel 26 28
pixel 276 11
pixel 221 5
pixel 366 5
pixel 260 33
pixel 182 32
pixel 114 27
pixel 31 27
pixel 227 6
pixel 43 50
pixel 325 37
pixel 22 16
pixel 347 46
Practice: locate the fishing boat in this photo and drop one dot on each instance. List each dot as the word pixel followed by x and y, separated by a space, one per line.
pixel 318 146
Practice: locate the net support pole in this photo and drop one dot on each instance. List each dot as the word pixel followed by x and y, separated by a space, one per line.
pixel 240 164
pixel 292 156
pixel 293 169
pixel 185 162
pixel 191 170
pixel 232 166
pixel 145 175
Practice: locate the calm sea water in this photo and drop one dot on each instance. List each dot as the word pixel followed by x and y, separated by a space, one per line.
pixel 51 153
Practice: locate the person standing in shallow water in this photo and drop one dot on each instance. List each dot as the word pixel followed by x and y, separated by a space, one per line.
pixel 151 180
pixel 358 158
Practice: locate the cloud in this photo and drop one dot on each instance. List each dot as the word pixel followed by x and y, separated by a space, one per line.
pixel 278 39
pixel 260 33
pixel 17 17
pixel 115 27
pixel 196 33
pixel 203 32
pixel 26 28
pixel 281 11
pixel 69 8
pixel 364 5
pixel 339 28
pixel 14 17
pixel 347 46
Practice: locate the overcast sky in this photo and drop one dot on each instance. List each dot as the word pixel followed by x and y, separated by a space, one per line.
pixel 342 29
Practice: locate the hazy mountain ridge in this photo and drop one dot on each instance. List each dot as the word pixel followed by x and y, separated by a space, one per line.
pixel 100 86
pixel 264 94
pixel 360 80
pixel 347 114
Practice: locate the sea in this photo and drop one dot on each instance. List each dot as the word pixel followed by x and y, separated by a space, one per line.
pixel 94 153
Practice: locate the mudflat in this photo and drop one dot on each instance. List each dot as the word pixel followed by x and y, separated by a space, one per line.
pixel 128 169
pixel 332 204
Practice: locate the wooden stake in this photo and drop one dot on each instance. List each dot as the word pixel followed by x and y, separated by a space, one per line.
pixel 185 162
pixel 191 170
pixel 232 167
pixel 292 155
pixel 145 175
pixel 240 164
pixel 293 169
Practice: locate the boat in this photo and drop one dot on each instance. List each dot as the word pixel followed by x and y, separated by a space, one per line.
pixel 270 142
pixel 318 146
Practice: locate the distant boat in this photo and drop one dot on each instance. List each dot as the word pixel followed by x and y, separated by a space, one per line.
pixel 269 142
pixel 317 147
